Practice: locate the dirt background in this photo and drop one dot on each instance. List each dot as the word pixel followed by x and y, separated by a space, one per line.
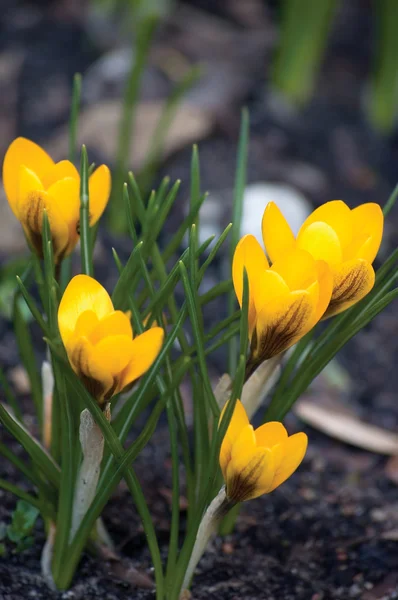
pixel 331 531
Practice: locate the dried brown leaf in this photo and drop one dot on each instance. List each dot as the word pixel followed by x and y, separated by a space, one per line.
pixel 347 428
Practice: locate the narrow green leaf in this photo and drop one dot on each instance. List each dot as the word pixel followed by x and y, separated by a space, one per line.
pixel 37 453
pixel 9 396
pixel 85 241
pixel 13 489
pixel 239 190
pixel 32 307
pixel 28 358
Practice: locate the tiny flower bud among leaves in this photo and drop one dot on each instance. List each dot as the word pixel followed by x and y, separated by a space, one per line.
pixel 347 240
pixel 34 182
pixel 99 340
pixel 285 300
pixel 255 462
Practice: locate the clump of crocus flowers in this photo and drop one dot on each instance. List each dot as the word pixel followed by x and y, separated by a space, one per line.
pixel 292 284
pixel 322 272
pixel 99 340
pixel 33 182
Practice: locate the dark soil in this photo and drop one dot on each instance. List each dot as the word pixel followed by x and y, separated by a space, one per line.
pixel 331 531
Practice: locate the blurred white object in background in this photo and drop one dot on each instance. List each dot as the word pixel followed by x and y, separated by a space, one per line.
pixel 293 204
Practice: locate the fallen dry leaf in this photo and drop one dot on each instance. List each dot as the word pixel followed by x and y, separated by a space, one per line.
pixel 99 126
pixel 346 427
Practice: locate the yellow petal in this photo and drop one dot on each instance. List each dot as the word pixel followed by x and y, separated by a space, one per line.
pixel 98 382
pixel 145 348
pixel 250 471
pixel 277 235
pixel 111 355
pixel 281 324
pixel 239 421
pixel 82 293
pixel 322 242
pixel 325 289
pixel 297 268
pixel 352 281
pixel 99 191
pixel 28 182
pixel 368 220
pixel 22 151
pixel 270 434
pixel 270 289
pixel 64 193
pixel 248 254
pixel 85 324
pixel 337 215
pixel 32 201
pixel 60 170
pixel 294 449
pixel 116 323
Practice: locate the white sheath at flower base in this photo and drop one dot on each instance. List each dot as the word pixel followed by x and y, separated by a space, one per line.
pixel 218 508
pixel 256 388
pixel 47 377
pixel 92 443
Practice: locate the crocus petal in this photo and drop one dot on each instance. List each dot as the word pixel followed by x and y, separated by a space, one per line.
pixel 325 281
pixel 337 215
pixel 99 190
pixel 322 242
pixel 82 293
pixel 297 268
pixel 97 382
pixel 270 434
pixel 32 201
pixel 58 171
pixel 368 219
pixel 250 471
pixel 270 288
pixel 352 281
pixel 111 355
pixel 295 449
pixel 281 324
pixel 277 235
pixel 145 349
pixel 249 255
pixel 22 151
pixel 65 194
pixel 239 421
pixel 115 323
pixel 85 324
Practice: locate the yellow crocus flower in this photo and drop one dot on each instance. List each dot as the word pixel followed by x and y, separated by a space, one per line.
pixel 348 240
pixel 285 300
pixel 99 340
pixel 34 182
pixel 255 462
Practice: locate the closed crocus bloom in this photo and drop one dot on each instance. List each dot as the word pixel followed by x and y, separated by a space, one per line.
pixel 255 462
pixel 34 182
pixel 285 300
pixel 99 340
pixel 348 240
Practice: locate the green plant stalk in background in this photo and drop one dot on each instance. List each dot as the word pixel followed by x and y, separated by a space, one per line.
pixel 305 26
pixel 126 136
pixel 383 101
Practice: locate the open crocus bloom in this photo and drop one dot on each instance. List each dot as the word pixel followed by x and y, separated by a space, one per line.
pixel 34 182
pixel 285 300
pixel 255 462
pixel 99 340
pixel 348 240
